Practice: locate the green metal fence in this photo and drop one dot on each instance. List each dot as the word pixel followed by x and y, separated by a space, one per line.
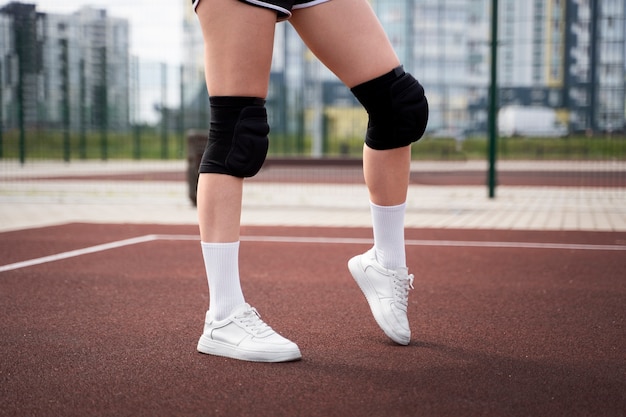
pixel 101 103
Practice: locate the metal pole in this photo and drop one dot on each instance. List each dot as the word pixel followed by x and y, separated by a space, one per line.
pixel 181 111
pixel 1 113
pixel 164 112
pixel 317 97
pixel 65 82
pixel 82 140
pixel 136 124
pixel 104 106
pixel 21 63
pixel 594 64
pixel 493 101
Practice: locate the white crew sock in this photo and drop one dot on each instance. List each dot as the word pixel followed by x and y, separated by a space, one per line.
pixel 221 261
pixel 388 226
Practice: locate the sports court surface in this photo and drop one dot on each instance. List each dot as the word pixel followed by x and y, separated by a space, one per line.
pixel 518 307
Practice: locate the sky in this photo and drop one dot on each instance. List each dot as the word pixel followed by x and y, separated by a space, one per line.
pixel 156 26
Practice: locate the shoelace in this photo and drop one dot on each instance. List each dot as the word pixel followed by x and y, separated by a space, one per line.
pixel 401 286
pixel 251 320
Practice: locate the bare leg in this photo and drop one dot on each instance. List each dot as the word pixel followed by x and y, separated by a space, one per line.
pixel 238 42
pixel 238 53
pixel 387 174
pixel 348 38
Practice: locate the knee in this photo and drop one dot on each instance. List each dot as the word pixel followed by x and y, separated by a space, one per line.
pixel 238 141
pixel 397 109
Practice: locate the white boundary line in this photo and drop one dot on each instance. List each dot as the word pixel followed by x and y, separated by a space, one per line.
pixel 461 243
pixel 310 240
pixel 78 252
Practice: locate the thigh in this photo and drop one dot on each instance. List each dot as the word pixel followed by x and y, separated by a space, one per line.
pixel 348 38
pixel 238 40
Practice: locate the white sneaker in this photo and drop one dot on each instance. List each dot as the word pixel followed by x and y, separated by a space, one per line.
pixel 243 335
pixel 387 293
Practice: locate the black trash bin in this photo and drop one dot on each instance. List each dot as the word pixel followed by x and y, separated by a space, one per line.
pixel 196 142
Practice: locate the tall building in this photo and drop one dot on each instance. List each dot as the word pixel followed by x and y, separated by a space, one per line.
pixel 64 70
pixel 596 64
pixel 21 65
pixel 104 45
pixel 567 55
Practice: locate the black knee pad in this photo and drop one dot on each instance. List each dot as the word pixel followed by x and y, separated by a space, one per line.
pixel 397 109
pixel 238 141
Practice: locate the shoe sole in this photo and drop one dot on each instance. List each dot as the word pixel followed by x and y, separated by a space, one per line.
pixel 213 347
pixel 359 276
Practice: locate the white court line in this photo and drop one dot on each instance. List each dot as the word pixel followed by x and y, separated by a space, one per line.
pixel 410 242
pixel 311 240
pixel 463 243
pixel 78 252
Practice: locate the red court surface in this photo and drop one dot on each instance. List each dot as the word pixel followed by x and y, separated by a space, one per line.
pixel 505 323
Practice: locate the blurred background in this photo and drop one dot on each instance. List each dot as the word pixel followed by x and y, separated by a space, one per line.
pixel 123 81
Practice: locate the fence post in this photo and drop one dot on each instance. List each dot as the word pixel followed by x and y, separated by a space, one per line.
pixel 104 106
pixel 65 83
pixel 493 100
pixel 137 129
pixel 1 114
pixel 181 112
pixel 20 95
pixel 164 115
pixel 82 139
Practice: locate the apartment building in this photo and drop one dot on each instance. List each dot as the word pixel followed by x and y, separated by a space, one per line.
pixel 567 55
pixel 64 70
